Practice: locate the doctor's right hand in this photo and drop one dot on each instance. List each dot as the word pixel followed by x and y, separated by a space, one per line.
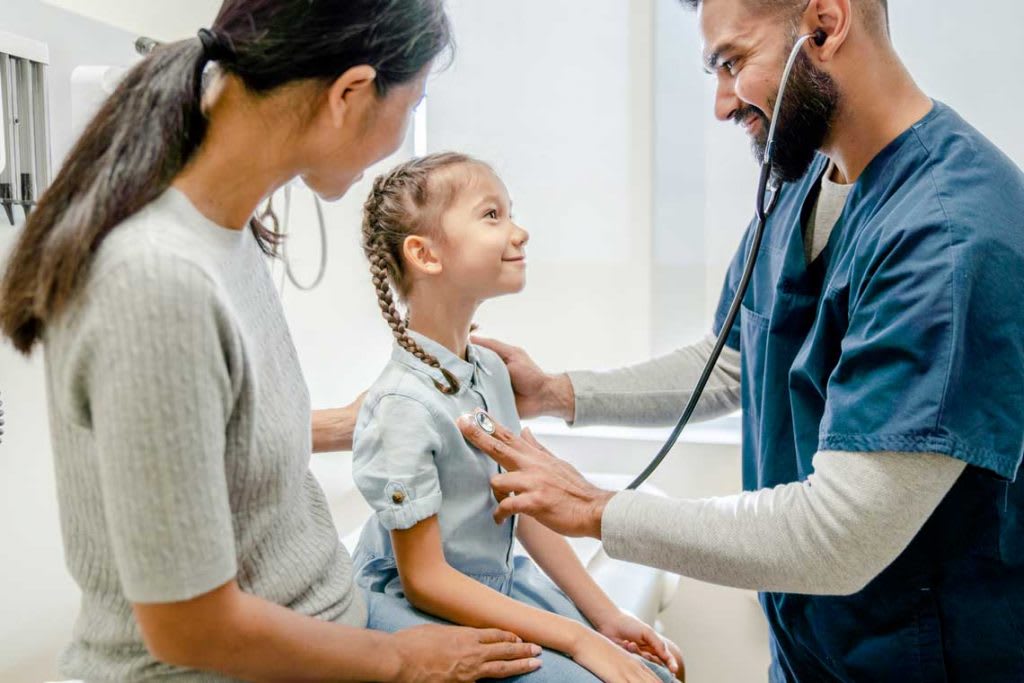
pixel 437 654
pixel 537 392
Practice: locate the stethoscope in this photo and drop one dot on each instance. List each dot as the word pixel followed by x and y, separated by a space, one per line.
pixel 765 207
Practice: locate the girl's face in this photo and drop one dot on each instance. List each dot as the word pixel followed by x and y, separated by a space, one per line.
pixel 482 251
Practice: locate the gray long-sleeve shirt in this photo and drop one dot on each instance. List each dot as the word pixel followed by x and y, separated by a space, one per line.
pixel 829 535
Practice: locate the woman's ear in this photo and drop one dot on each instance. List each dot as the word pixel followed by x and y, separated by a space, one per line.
pixel 421 255
pixel 349 91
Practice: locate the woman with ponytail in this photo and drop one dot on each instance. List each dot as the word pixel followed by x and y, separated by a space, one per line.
pixel 180 420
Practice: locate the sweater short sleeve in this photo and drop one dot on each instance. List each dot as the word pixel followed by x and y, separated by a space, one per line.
pixel 156 381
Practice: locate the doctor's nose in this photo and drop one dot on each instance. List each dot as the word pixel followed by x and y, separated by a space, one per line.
pixel 727 102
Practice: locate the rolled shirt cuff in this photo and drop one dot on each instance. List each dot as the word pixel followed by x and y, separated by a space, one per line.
pixel 409 513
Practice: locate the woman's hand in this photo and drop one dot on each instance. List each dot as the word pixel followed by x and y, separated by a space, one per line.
pixel 437 654
pixel 637 637
pixel 608 661
pixel 537 393
pixel 333 429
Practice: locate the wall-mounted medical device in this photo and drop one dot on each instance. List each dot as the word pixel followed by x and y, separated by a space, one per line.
pixel 25 157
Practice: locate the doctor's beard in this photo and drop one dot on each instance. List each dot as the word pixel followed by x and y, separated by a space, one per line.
pixel 805 119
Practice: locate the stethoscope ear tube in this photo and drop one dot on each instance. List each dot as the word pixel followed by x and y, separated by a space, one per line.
pixel 765 207
pixel 730 320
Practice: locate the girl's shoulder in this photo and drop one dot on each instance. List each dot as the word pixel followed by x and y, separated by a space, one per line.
pixel 403 384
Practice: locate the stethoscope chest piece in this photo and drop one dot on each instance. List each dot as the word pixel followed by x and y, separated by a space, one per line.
pixel 485 423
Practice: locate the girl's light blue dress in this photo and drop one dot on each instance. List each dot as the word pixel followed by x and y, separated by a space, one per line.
pixel 411 462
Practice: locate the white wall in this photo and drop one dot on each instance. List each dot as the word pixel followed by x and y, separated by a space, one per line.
pixel 160 19
pixel 557 96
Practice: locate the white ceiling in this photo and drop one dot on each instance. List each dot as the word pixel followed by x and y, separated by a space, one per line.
pixel 160 19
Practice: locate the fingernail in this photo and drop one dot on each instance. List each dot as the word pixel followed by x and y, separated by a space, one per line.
pixel 535 650
pixel 536 663
pixel 518 639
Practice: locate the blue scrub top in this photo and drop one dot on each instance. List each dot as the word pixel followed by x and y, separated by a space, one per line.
pixel 905 334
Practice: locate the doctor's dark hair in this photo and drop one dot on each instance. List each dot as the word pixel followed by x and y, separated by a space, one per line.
pixel 875 12
pixel 149 129
pixel 409 200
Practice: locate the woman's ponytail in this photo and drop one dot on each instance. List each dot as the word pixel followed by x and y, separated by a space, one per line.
pixel 139 141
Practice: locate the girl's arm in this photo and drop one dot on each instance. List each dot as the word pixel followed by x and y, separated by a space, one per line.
pixel 435 587
pixel 555 556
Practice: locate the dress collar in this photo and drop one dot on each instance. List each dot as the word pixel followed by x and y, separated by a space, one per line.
pixel 464 370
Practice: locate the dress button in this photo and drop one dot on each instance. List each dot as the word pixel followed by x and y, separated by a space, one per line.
pixel 398 497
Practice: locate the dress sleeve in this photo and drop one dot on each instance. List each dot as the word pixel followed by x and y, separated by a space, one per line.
pixel 393 461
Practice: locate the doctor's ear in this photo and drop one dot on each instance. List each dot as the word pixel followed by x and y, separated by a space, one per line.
pixel 830 22
pixel 421 256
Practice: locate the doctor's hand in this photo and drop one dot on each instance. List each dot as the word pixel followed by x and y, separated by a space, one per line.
pixel 537 392
pixel 548 489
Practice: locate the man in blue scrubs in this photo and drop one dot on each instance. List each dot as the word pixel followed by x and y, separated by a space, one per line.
pixel 879 362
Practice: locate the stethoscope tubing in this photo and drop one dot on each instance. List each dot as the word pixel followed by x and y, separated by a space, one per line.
pixel 763 211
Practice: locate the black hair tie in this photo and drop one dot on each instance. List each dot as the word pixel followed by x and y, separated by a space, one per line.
pixel 215 48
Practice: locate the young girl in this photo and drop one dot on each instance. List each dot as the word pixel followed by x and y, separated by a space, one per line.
pixel 439 230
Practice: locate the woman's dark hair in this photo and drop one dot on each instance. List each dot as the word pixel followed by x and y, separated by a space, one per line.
pixel 147 131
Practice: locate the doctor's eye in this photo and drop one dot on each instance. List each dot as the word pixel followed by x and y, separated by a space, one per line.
pixel 729 66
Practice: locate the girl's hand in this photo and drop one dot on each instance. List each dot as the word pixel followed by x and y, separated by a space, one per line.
pixel 610 663
pixel 637 637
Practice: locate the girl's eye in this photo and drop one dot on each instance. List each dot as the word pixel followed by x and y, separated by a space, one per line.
pixel 492 214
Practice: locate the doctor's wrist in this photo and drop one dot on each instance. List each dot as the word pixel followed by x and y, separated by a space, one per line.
pixel 597 505
pixel 560 397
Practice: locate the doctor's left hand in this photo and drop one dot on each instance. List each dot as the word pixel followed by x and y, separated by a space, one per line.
pixel 546 488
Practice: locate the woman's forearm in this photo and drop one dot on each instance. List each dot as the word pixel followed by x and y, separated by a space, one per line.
pixel 333 428
pixel 555 556
pixel 243 636
pixel 444 592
